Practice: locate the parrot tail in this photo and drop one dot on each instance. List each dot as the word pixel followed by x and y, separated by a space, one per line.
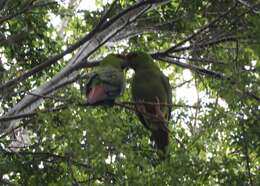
pixel 161 139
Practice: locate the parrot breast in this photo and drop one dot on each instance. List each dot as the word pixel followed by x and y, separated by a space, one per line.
pixel 104 86
pixel 96 94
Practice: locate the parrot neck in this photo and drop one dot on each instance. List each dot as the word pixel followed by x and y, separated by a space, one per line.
pixel 112 60
pixel 146 66
pixel 115 65
pixel 142 61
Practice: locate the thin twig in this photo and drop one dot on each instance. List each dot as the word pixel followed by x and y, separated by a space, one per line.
pixel 183 83
pixel 161 104
pixel 204 60
pixel 204 71
pixel 246 153
pixel 48 155
pixel 75 181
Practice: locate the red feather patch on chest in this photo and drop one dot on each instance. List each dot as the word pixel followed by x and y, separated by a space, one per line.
pixel 96 94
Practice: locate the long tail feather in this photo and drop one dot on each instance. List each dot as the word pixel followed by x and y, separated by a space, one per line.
pixel 161 139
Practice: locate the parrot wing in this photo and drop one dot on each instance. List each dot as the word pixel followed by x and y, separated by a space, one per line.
pixel 161 135
pixel 168 89
pixel 114 81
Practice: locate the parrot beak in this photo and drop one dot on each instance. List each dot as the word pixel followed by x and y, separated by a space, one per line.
pixel 128 58
pixel 125 65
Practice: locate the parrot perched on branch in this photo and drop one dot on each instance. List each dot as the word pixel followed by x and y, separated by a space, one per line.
pixel 150 88
pixel 107 81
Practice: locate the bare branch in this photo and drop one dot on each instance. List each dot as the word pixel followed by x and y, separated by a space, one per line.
pixel 189 66
pixel 199 46
pixel 246 152
pixel 203 60
pixel 181 84
pixel 48 155
pixel 161 104
pixel 50 61
pixel 248 5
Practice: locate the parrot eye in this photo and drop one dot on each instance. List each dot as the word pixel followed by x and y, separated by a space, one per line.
pixel 124 65
pixel 132 55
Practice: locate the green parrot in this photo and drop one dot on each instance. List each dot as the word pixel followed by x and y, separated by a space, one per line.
pixel 107 81
pixel 152 87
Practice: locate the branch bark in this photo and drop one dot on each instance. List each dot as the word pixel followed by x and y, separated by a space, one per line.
pixel 200 70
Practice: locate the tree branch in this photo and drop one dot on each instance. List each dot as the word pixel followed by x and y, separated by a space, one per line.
pixel 248 5
pixel 169 60
pixel 246 153
pixel 48 155
pixel 203 60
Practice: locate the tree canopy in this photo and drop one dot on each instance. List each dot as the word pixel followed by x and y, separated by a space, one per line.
pixel 210 50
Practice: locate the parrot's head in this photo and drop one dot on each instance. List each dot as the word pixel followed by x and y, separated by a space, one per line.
pixel 137 60
pixel 115 60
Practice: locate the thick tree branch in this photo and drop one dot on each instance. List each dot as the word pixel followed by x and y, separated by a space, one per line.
pixel 170 60
pixel 138 29
pixel 248 5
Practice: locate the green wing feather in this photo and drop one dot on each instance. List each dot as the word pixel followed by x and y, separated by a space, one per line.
pixel 110 76
pixel 168 89
pixel 149 84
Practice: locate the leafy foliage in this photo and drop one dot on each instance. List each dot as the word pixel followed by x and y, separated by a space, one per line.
pixel 215 131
